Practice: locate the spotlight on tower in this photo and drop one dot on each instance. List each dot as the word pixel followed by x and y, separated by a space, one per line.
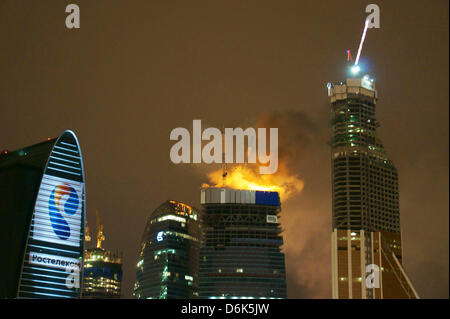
pixel 355 69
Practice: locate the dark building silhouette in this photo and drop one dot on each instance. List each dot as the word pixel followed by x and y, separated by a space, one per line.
pixel 42 216
pixel 168 261
pixel 241 255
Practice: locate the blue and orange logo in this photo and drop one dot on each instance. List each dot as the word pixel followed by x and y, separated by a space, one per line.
pixel 57 206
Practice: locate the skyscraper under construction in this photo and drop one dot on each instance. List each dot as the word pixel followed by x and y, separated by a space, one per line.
pixel 366 238
pixel 241 255
pixel 102 269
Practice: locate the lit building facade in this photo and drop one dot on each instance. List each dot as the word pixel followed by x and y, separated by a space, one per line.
pixel 366 215
pixel 374 261
pixel 241 254
pixel 102 274
pixel 168 261
pixel 102 268
pixel 42 208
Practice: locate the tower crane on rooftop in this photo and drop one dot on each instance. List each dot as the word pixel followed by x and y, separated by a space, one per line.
pixel 100 235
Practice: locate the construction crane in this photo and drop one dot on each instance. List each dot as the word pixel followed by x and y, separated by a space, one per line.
pixel 87 236
pixel 100 236
pixel 224 164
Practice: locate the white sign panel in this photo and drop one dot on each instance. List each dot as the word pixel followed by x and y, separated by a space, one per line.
pixel 53 261
pixel 272 219
pixel 57 215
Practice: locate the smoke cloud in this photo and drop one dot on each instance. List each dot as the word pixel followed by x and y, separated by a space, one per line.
pixel 306 215
pixel 305 212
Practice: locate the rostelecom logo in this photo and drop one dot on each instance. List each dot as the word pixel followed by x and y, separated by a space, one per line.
pixel 63 201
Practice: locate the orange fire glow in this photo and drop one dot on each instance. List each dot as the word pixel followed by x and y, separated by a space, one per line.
pixel 247 177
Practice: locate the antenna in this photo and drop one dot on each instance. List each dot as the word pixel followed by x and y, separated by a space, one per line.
pixel 349 56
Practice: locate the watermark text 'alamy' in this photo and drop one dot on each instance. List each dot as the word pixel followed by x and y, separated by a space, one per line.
pixel 213 152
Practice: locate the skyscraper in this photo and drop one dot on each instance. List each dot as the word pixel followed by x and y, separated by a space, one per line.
pixel 366 238
pixel 168 261
pixel 102 269
pixel 42 216
pixel 241 255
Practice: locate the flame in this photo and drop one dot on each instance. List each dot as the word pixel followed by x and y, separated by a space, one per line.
pixel 296 132
pixel 247 177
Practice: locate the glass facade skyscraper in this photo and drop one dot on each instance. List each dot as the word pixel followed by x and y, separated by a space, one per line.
pixel 241 255
pixel 168 261
pixel 42 216
pixel 366 213
pixel 365 181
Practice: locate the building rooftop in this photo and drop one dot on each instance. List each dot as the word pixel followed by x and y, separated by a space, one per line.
pixel 213 195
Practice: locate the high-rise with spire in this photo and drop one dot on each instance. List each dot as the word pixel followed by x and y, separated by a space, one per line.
pixel 366 237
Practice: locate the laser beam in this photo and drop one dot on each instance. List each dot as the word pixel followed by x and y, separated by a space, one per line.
pixel 362 41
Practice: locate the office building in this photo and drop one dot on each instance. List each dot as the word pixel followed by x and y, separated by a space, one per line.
pixel 102 269
pixel 366 235
pixel 168 261
pixel 241 254
pixel 42 216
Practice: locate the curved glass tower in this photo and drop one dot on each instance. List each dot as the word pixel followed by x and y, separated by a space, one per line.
pixel 42 208
pixel 168 262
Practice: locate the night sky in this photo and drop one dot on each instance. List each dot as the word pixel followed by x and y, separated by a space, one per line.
pixel 137 69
